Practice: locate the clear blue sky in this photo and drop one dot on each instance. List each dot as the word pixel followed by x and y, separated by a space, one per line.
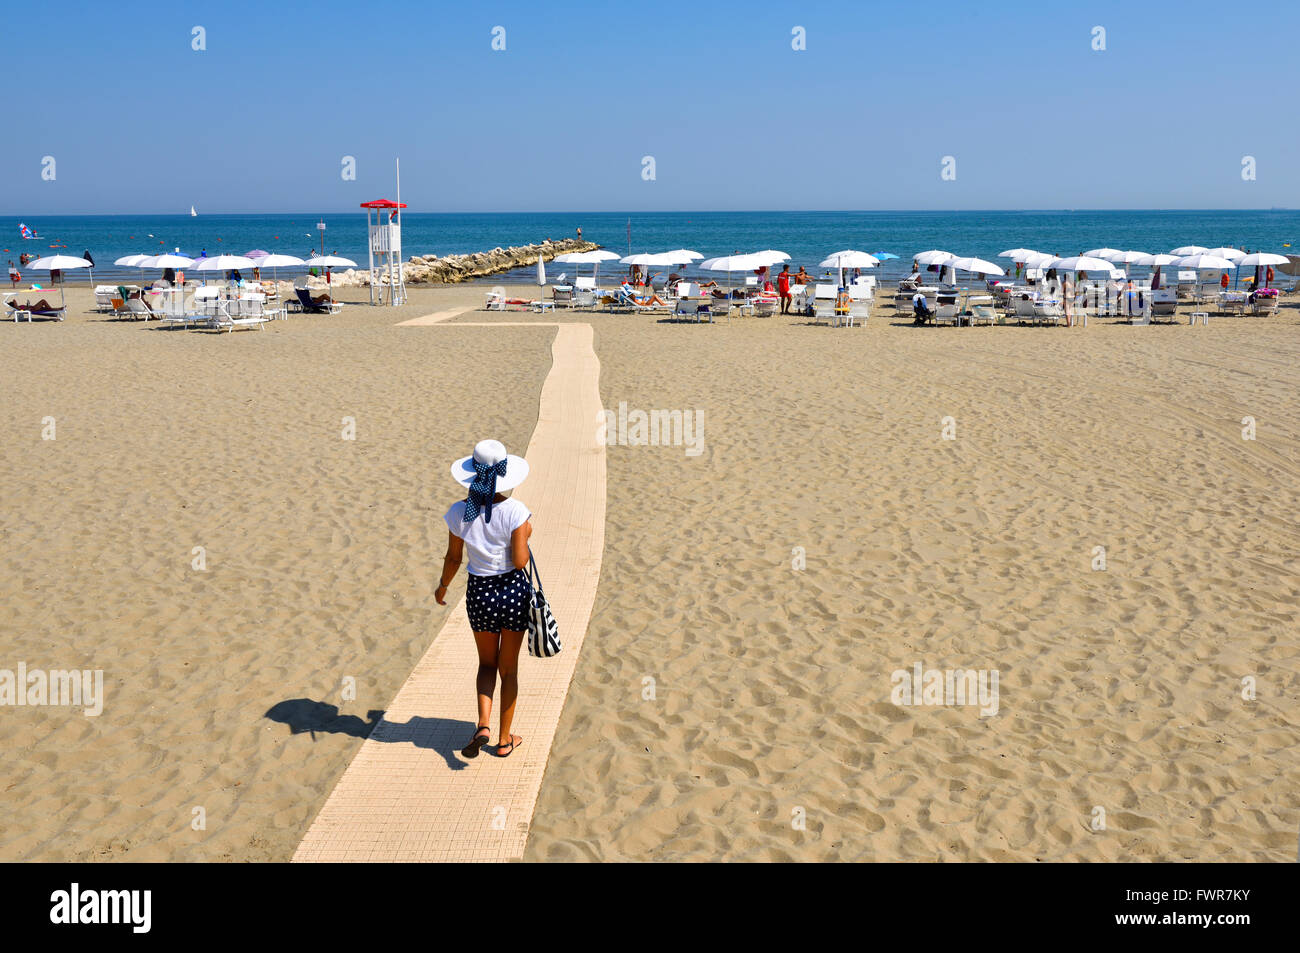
pixel 138 121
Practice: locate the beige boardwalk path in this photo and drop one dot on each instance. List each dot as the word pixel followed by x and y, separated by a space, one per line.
pixel 408 795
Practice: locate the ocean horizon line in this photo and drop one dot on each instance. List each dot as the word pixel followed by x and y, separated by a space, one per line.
pixel 748 211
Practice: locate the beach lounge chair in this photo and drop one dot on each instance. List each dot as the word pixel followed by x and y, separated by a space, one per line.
pixel 824 303
pixel 1048 311
pixel 235 313
pixel 137 307
pixel 1265 304
pixel 584 297
pixel 947 314
pixel 1024 309
pixel 562 297
pixel 983 313
pixel 312 307
pixel 765 307
pixel 1163 303
pixel 494 301
pixel 18 309
pixel 697 308
pixel 863 297
pixel 104 295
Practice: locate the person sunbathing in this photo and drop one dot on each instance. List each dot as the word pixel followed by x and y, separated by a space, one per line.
pixel 40 307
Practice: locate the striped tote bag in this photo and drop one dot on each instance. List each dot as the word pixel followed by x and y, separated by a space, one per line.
pixel 543 631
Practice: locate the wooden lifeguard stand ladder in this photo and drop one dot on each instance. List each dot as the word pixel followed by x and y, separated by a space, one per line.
pixel 384 218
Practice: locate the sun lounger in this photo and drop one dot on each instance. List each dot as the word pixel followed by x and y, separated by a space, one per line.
pixel 1048 311
pixel 139 308
pixel 104 298
pixel 983 313
pixel 765 307
pixel 823 303
pixel 947 314
pixel 18 309
pixel 313 307
pixel 562 297
pixel 239 313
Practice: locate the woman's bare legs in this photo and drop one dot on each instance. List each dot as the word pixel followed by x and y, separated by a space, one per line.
pixel 486 681
pixel 507 665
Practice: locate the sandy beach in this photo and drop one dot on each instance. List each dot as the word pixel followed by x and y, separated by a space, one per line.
pixel 733 696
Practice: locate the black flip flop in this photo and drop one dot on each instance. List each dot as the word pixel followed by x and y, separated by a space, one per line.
pixel 513 746
pixel 471 749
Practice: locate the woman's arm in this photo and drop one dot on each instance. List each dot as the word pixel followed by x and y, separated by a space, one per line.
pixel 450 564
pixel 519 544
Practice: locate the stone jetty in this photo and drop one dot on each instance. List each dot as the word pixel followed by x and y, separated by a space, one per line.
pixel 450 269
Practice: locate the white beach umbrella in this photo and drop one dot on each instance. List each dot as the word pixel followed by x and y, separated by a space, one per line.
pixel 61 263
pixel 1204 262
pixel 223 263
pixel 541 271
pixel 1017 254
pixel 1103 253
pixel 276 262
pixel 1080 263
pixel 977 265
pixel 1156 261
pixel 849 258
pixel 686 253
pixel 1124 257
pixel 1232 254
pixel 586 258
pixel 165 261
pixel 934 257
pixel 1262 258
pixel 731 263
pixel 131 261
pixel 1189 250
pixel 323 261
pixel 768 257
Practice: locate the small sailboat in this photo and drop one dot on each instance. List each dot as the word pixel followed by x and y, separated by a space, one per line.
pixel 193 213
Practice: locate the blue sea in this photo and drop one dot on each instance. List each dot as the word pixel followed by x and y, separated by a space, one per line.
pixel 807 237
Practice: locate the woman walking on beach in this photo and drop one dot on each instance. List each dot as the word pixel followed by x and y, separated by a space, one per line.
pixel 494 529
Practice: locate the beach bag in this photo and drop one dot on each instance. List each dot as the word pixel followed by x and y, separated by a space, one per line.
pixel 543 631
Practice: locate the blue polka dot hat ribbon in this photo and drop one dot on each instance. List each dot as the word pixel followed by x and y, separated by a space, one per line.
pixel 483 489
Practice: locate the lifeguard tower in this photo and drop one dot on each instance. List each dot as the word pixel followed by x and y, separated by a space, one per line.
pixel 384 218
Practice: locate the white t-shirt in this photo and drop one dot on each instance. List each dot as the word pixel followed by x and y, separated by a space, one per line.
pixel 488 544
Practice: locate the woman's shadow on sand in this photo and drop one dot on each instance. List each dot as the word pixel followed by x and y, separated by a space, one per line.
pixel 443 735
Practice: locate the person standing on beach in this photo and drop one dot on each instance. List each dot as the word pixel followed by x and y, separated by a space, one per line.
pixel 494 529
pixel 15 275
pixel 783 288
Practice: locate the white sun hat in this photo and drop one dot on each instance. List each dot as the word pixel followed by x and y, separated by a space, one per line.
pixel 489 452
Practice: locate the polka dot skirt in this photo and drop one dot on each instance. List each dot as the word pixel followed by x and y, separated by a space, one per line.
pixel 498 602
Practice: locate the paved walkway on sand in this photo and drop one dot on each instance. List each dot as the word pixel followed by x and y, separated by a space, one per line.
pixel 408 795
